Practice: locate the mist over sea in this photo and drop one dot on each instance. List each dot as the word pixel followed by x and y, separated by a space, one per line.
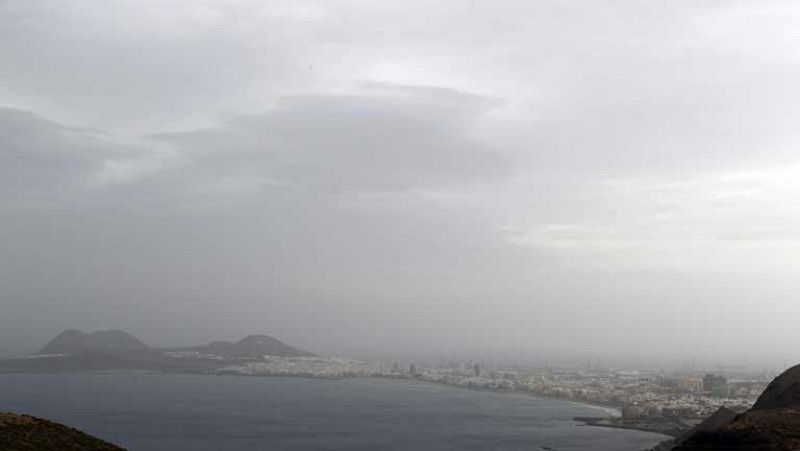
pixel 155 412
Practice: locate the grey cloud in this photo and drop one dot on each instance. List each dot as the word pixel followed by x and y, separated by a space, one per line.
pixel 138 65
pixel 43 162
pixel 225 215
pixel 415 138
pixel 540 173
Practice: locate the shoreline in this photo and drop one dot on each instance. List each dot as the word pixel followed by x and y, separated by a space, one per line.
pixel 605 423
pixel 612 411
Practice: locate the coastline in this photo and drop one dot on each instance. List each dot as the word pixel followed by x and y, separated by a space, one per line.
pixel 476 416
pixel 607 423
pixel 611 411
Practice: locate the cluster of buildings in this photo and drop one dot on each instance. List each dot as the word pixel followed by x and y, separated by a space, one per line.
pixel 638 395
pixel 641 394
pixel 317 367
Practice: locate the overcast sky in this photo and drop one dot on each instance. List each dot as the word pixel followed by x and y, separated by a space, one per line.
pixel 402 179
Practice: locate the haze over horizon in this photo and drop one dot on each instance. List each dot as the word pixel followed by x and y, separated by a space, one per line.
pixel 509 179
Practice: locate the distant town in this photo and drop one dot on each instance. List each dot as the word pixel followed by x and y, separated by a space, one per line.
pixel 652 400
pixel 643 399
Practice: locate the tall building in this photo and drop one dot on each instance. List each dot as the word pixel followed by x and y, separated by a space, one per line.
pixel 690 384
pixel 711 381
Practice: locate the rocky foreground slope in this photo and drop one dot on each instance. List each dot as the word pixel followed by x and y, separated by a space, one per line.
pixel 772 424
pixel 25 433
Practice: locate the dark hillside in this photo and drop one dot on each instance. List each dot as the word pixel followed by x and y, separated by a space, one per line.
pixel 25 433
pixel 75 342
pixel 772 424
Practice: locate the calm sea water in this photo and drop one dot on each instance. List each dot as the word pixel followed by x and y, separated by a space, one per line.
pixel 153 412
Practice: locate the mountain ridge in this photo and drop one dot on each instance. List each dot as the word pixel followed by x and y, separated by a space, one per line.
pixel 252 346
pixel 72 341
pixel 119 342
pixel 73 350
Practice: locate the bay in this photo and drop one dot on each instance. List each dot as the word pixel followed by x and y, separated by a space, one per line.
pixel 155 412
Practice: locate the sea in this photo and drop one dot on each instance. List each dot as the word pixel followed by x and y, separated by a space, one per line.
pixel 178 412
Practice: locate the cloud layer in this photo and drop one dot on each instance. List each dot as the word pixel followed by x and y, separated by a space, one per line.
pixel 519 180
